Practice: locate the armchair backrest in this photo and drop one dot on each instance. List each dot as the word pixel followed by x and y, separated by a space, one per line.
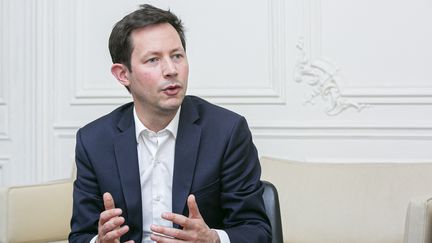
pixel 346 202
pixel 36 213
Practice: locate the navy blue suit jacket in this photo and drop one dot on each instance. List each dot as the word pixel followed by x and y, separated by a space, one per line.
pixel 215 160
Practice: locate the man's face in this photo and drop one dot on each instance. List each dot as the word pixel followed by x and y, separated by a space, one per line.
pixel 159 69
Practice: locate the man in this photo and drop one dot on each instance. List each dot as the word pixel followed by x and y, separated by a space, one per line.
pixel 166 167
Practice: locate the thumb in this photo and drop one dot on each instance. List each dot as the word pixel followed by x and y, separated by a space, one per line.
pixel 193 207
pixel 108 201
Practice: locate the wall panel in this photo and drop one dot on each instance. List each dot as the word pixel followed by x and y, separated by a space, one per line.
pixel 64 154
pixel 375 60
pixel 316 80
pixel 3 76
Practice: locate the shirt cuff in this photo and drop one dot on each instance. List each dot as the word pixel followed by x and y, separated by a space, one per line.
pixel 223 236
pixel 95 238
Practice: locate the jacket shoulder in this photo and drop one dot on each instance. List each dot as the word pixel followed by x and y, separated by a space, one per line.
pixel 107 123
pixel 206 108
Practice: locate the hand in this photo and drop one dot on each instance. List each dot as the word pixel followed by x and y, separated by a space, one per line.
pixel 194 227
pixel 110 221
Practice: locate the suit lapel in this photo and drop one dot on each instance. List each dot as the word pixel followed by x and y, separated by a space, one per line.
pixel 127 162
pixel 187 144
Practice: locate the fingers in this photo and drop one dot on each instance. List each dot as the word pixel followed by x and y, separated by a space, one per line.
pixel 182 220
pixel 111 225
pixel 197 232
pixel 194 212
pixel 194 227
pixel 164 239
pixel 176 218
pixel 110 221
pixel 169 233
pixel 108 201
pixel 110 210
pixel 107 215
pixel 115 234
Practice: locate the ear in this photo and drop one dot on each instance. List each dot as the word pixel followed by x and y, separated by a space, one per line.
pixel 120 72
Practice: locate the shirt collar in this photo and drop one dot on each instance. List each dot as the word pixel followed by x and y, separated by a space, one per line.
pixel 172 127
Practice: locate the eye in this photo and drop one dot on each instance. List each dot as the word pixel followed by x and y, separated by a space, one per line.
pixel 152 60
pixel 177 56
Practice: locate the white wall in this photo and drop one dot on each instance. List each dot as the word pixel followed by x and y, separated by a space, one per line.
pixel 364 66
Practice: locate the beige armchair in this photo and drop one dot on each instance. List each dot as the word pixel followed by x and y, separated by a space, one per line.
pixel 36 213
pixel 352 203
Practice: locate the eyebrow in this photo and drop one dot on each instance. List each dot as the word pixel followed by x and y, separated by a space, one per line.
pixel 149 53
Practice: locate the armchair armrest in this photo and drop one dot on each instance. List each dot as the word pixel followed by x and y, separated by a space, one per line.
pixel 418 221
pixel 36 213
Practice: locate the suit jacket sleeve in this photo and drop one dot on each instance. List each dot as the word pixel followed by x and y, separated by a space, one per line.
pixel 88 201
pixel 241 192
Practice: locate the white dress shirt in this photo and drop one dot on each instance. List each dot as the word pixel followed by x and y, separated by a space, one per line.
pixel 156 168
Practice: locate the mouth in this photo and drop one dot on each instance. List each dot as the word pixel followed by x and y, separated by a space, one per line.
pixel 172 89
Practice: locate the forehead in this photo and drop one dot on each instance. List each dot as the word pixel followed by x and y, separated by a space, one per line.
pixel 156 37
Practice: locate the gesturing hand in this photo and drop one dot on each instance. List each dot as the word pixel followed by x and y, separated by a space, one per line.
pixel 194 227
pixel 110 221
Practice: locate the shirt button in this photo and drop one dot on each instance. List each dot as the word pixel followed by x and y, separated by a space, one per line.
pixel 157 198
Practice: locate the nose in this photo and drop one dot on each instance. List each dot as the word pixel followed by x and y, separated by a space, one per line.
pixel 169 68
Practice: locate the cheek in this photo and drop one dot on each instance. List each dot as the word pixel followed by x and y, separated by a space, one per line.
pixel 185 71
pixel 147 78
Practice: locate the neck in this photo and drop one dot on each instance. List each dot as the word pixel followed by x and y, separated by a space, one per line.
pixel 155 121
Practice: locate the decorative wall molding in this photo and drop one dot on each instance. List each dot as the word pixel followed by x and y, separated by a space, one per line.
pixel 2 90
pixel 2 179
pixel 4 123
pixel 64 155
pixel 26 63
pixel 390 96
pixel 49 78
pixel 2 75
pixel 321 75
pixel 71 126
pixel 272 91
pixel 355 160
pixel 302 130
pixel 4 52
pixel 4 161
pixel 290 130
pixel 4 69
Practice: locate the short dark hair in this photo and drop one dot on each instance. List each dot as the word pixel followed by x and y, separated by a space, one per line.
pixel 120 43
